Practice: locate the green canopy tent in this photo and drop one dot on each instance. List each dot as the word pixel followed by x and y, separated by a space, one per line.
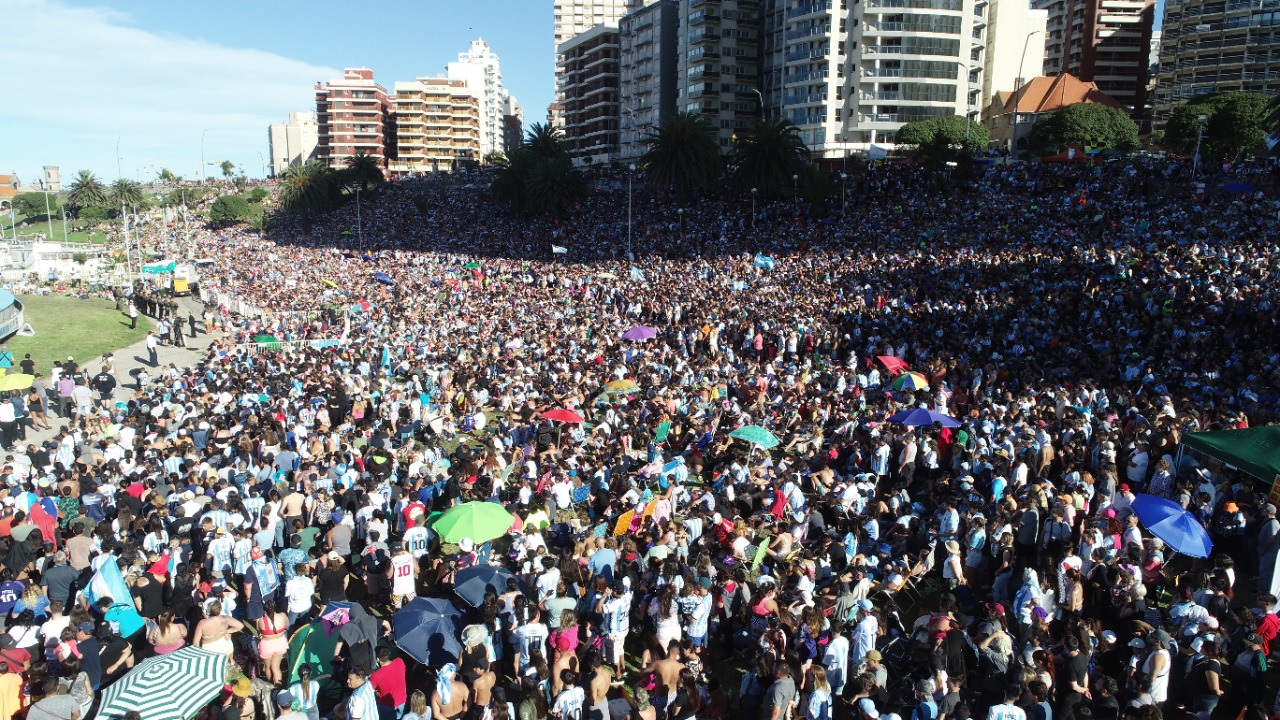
pixel 1255 451
pixel 312 645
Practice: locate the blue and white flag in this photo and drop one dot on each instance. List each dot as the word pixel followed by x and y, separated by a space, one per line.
pixel 108 581
pixel 637 275
pixel 1271 140
pixel 764 261
pixel 559 250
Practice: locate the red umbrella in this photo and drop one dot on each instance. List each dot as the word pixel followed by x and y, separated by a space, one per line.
pixel 562 415
pixel 893 364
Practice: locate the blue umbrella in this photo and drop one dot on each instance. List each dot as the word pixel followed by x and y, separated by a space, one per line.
pixel 917 417
pixel 427 630
pixel 1238 187
pixel 472 583
pixel 383 278
pixel 1170 522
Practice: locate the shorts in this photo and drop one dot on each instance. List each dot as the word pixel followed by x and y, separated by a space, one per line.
pixel 615 646
pixel 400 600
pixel 699 641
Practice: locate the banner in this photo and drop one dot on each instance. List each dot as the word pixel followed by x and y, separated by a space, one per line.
pixel 108 582
pixel 559 250
pixel 764 261
pixel 637 275
pixel 878 152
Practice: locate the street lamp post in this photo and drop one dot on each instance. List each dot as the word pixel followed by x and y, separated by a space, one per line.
pixel 359 224
pixel 844 190
pixel 761 96
pixel 1017 99
pixel 680 213
pixel 753 207
pixel 630 170
pixel 118 173
pixel 1195 164
pixel 64 224
pixel 264 165
pixel 202 165
pixel 795 190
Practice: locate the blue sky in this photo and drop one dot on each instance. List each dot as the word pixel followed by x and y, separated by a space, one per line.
pixel 158 74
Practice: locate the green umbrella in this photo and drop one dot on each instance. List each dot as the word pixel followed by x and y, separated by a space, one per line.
pixel 264 338
pixel 481 521
pixel 756 435
pixel 471 266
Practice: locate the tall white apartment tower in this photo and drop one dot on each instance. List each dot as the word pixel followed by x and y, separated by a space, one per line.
pixel 480 69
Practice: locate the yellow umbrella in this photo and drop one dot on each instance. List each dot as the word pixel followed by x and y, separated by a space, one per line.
pixel 16 381
pixel 622 386
pixel 331 284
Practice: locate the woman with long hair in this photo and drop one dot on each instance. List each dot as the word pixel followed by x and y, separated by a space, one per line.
pixel 306 691
pixel 417 709
pixel 165 634
pixel 688 700
pixel 666 617
pixel 819 705
pixel 214 632
pixel 533 700
pixel 273 645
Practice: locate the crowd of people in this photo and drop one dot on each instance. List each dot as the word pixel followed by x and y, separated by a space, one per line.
pixel 1075 321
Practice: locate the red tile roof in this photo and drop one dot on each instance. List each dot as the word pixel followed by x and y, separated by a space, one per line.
pixel 1046 94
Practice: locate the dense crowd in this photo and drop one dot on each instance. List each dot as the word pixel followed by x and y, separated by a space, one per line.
pixel 1075 321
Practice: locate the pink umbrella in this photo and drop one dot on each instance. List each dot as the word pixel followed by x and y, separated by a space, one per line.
pixel 562 415
pixel 893 364
pixel 640 332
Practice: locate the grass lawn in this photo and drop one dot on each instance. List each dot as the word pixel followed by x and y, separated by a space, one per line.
pixel 83 329
pixel 30 227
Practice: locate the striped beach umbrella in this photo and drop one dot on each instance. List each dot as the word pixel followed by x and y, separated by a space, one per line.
pixel 174 686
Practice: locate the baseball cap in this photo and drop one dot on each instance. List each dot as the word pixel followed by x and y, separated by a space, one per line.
pixel 868 708
pixel 86 627
pixel 873 655
pixel 284 698
pixel 866 605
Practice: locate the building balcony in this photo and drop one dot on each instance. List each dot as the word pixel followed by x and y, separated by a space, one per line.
pixel 806 9
pixel 882 95
pixel 804 78
pixel 875 72
pixel 803 99
pixel 805 55
pixel 808 32
pixel 877 118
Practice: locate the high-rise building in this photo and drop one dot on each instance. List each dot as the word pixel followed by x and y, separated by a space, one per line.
pixel 850 74
pixel 1015 48
pixel 1215 46
pixel 437 126
pixel 353 115
pixel 480 69
pixel 1105 42
pixel 512 125
pixel 578 16
pixel 589 80
pixel 718 72
pixel 293 142
pixel 647 36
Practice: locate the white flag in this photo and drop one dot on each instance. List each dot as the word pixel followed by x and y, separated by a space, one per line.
pixel 559 250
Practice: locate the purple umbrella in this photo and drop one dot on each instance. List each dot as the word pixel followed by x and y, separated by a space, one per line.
pixel 640 332
pixel 917 417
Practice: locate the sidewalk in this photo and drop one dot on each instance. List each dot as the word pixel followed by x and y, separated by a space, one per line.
pixel 136 356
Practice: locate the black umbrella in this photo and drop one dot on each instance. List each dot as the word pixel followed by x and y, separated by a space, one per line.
pixel 427 630
pixel 472 583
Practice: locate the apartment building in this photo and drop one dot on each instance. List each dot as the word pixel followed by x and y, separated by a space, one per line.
pixel 437 123
pixel 718 70
pixel 1105 42
pixel 572 17
pixel 590 81
pixel 293 142
pixel 648 37
pixel 481 70
pixel 1211 46
pixel 353 115
pixel 1015 48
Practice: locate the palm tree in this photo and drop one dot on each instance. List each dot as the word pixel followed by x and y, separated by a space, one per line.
pixel 127 193
pixel 816 187
pixel 684 154
pixel 308 188
pixel 87 191
pixel 364 170
pixel 769 157
pixel 509 186
pixel 554 185
pixel 545 141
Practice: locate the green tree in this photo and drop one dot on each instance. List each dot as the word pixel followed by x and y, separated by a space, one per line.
pixel 256 195
pixel 545 141
pixel 227 168
pixel 509 187
pixel 1236 125
pixel 32 204
pixel 1086 125
pixel 166 175
pixel 229 209
pixel 555 185
pixel 364 170
pixel 769 157
pixel 128 193
pixel 683 154
pixel 497 159
pixel 309 188
pixel 80 258
pixel 92 213
pixel 817 187
pixel 87 191
pixel 942 138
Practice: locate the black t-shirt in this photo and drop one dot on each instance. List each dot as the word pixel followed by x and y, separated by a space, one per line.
pixel 329 584
pixel 28 366
pixel 111 654
pixel 1197 683
pixel 1075 668
pixel 58 581
pixel 152 596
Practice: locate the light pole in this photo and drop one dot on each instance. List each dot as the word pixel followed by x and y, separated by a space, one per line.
pixel 48 214
pixel 630 170
pixel 761 96
pixel 680 213
pixel 64 224
pixel 795 190
pixel 118 173
pixel 359 224
pixel 201 173
pixel 844 190
pixel 264 165
pixel 968 106
pixel 1195 164
pixel 753 207
pixel 1017 102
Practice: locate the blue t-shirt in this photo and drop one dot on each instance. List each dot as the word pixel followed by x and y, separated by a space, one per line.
pixel 9 594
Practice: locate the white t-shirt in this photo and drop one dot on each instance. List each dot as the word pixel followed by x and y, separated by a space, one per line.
pixel 299 591
pixel 402 580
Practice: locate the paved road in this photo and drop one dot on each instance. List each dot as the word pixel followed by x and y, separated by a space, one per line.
pixel 135 356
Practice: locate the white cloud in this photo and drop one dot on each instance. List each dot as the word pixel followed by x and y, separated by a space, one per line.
pixel 81 77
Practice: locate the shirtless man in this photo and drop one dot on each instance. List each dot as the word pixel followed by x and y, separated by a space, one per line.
pixel 601 680
pixel 482 692
pixel 455 706
pixel 666 677
pixel 293 506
